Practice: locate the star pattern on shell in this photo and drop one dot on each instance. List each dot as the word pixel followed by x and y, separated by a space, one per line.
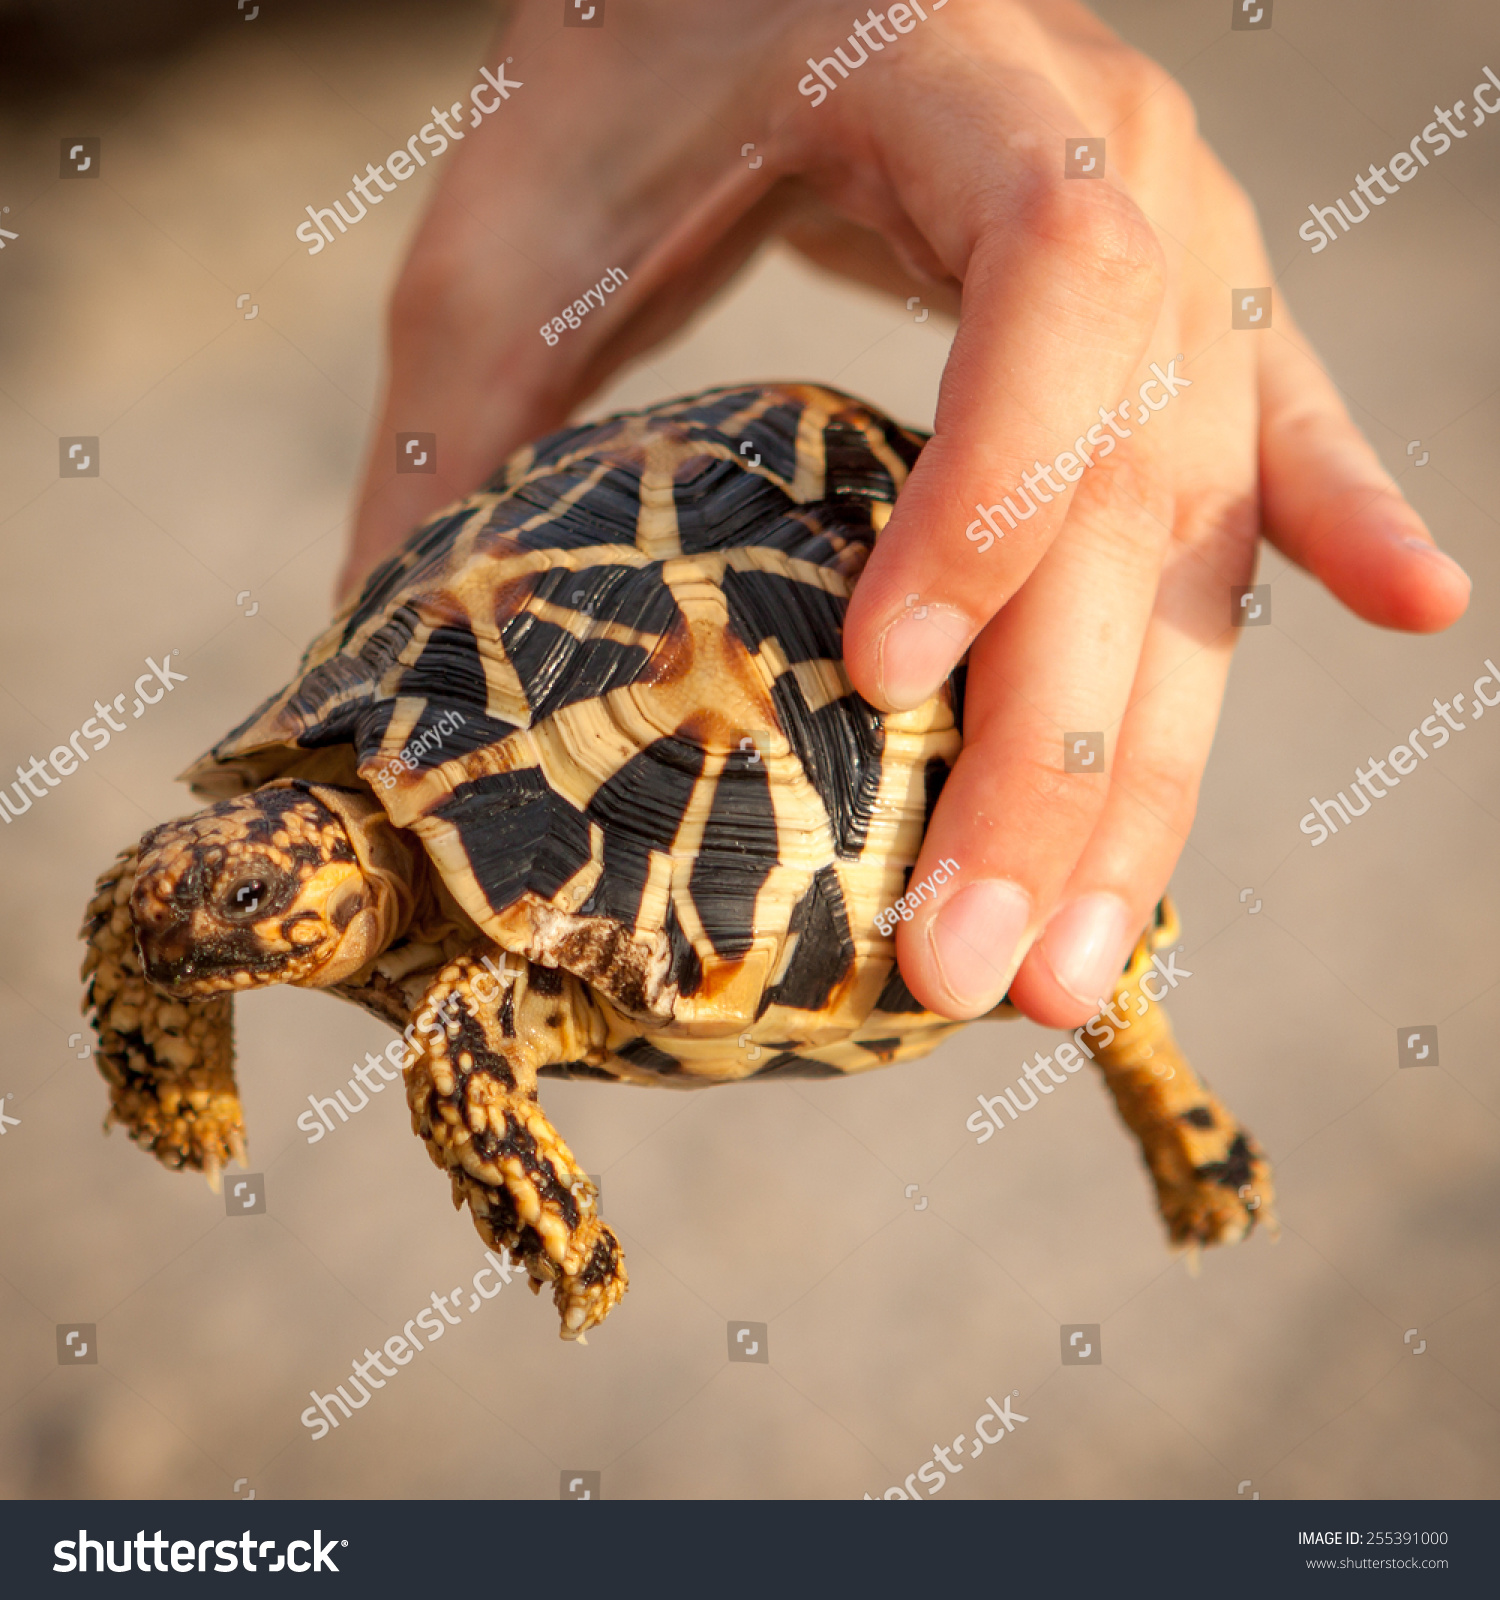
pixel 523 687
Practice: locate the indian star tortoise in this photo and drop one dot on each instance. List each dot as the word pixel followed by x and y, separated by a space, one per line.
pixel 577 786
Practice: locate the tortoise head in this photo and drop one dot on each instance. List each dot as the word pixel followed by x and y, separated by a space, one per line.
pixel 291 883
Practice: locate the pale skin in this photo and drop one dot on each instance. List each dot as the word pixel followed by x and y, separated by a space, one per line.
pixel 936 169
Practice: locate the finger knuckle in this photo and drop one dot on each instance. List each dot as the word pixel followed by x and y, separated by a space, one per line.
pixel 428 299
pixel 1163 787
pixel 1104 240
pixel 1063 805
pixel 1133 500
pixel 1151 107
pixel 1166 108
pixel 1217 523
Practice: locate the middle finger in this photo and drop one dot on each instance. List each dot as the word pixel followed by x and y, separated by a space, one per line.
pixel 1048 684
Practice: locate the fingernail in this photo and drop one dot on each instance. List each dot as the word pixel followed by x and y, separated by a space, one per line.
pixel 1426 548
pixel 917 653
pixel 976 941
pixel 1085 944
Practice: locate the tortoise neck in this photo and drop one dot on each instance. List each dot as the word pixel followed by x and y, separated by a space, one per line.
pixel 393 865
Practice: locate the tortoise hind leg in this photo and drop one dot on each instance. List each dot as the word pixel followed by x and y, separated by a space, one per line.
pixel 1213 1182
pixel 169 1063
pixel 489 1021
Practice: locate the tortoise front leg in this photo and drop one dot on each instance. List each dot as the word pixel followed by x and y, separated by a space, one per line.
pixel 169 1063
pixel 485 1026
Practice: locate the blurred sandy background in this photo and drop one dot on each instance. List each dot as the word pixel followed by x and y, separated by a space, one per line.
pixel 230 449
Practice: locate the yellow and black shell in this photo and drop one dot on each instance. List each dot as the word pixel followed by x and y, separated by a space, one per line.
pixel 607 693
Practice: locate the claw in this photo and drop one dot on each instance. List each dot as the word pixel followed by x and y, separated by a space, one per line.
pixel 237 1149
pixel 213 1173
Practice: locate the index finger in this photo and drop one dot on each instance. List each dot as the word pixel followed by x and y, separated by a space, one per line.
pixel 1063 281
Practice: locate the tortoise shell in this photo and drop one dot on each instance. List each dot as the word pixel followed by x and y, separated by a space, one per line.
pixel 607 693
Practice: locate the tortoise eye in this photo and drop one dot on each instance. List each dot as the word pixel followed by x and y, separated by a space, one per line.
pixel 246 898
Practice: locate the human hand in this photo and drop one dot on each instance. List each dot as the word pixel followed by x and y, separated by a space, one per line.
pixel 936 168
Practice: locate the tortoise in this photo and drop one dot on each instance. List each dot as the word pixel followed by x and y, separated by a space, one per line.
pixel 577 786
